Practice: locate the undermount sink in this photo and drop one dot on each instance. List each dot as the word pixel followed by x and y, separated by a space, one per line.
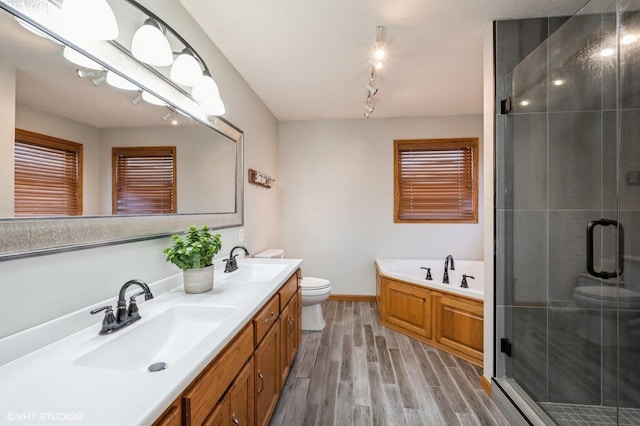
pixel 165 338
pixel 254 272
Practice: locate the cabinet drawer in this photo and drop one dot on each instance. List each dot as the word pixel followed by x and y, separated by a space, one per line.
pixel 205 392
pixel 288 290
pixel 266 318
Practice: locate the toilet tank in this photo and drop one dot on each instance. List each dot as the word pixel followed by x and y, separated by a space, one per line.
pixel 271 254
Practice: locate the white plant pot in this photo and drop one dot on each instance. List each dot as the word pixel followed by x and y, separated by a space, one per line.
pixel 198 280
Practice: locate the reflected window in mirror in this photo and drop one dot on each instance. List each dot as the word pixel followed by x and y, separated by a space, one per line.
pixel 48 175
pixel 144 180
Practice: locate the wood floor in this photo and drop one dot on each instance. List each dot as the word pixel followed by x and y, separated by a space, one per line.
pixel 356 372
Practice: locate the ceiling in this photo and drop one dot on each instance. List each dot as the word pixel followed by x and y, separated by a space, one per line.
pixel 309 60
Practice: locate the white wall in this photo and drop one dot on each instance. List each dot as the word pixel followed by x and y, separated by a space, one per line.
pixel 337 198
pixel 205 164
pixel 41 288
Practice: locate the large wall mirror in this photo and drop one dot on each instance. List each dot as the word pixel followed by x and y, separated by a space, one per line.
pixel 44 95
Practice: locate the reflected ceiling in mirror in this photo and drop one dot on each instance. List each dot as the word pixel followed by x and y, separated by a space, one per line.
pixel 25 237
pixel 58 98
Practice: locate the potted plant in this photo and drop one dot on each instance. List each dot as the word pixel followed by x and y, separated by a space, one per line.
pixel 194 255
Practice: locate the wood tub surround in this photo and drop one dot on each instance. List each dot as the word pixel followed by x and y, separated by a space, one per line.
pixel 242 384
pixel 448 321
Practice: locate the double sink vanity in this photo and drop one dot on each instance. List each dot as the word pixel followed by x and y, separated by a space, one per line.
pixel 224 356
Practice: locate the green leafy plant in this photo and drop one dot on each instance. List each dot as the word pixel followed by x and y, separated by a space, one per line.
pixel 196 250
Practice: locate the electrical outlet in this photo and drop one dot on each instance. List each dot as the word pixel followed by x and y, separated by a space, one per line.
pixel 241 235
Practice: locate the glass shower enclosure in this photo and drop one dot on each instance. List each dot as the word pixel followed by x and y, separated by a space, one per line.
pixel 567 314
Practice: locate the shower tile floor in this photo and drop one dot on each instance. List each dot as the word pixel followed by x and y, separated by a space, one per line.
pixel 590 415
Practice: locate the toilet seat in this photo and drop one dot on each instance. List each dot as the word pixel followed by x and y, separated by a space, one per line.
pixel 609 297
pixel 311 283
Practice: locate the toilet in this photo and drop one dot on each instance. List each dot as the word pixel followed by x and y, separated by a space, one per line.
pixel 606 299
pixel 314 292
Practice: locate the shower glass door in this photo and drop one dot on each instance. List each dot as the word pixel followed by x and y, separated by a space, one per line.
pixel 568 213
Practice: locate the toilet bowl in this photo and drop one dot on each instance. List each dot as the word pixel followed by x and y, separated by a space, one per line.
pixel 603 305
pixel 314 291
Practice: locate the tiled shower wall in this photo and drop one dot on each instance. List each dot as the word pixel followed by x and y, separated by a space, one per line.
pixel 556 172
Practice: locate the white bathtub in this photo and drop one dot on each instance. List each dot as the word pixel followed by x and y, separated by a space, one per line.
pixel 408 270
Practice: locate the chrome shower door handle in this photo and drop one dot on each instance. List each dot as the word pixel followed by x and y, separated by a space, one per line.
pixel 590 228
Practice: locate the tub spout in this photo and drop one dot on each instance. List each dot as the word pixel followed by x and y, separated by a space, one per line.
pixel 445 278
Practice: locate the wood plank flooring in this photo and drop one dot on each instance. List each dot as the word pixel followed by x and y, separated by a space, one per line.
pixel 357 372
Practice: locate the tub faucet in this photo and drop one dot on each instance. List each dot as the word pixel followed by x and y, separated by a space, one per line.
pixel 123 316
pixel 232 264
pixel 445 278
pixel 464 280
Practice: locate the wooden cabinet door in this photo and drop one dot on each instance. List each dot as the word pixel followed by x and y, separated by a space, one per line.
pixel 267 375
pixel 407 308
pixel 172 415
pixel 220 415
pixel 242 397
pixel 286 341
pixel 459 326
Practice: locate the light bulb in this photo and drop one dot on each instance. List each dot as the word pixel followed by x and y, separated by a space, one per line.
pixel 629 38
pixel 151 46
pixel 607 52
pixel 92 19
pixel 558 82
pixel 152 99
pixel 205 88
pixel 79 59
pixel 524 103
pixel 378 65
pixel 115 80
pixel 379 55
pixel 213 106
pixel 186 69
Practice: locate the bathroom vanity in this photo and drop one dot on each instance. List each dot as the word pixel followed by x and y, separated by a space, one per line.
pixel 227 352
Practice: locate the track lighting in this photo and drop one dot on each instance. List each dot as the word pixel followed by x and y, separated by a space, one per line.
pixel 96 77
pixel 376 65
pixel 136 100
pixel 170 117
pixel 150 45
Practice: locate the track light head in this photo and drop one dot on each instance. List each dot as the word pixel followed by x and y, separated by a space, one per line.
pixel 135 101
pixel 368 108
pixel 372 90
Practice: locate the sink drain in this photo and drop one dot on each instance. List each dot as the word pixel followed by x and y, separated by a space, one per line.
pixel 158 366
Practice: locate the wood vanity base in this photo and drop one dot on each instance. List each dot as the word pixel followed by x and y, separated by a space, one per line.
pixel 242 384
pixel 447 321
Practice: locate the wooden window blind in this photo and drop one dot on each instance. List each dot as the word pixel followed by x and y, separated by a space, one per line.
pixel 436 180
pixel 144 180
pixel 48 175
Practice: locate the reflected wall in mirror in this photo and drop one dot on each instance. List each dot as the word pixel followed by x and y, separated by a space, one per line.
pixel 51 99
pixel 42 92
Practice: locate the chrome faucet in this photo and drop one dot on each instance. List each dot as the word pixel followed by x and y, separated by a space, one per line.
pixel 445 278
pixel 231 263
pixel 123 316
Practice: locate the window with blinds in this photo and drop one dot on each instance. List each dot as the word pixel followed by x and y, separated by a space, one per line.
pixel 144 180
pixel 48 175
pixel 436 180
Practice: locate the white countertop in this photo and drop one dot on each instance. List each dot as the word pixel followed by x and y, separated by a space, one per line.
pixel 46 387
